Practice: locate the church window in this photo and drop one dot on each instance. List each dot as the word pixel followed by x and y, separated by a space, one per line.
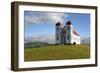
pixel 68 37
pixel 57 28
pixel 57 38
pixel 68 28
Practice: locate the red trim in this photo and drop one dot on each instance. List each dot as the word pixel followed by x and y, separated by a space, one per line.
pixel 75 33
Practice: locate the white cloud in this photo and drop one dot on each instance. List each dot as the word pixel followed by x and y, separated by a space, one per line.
pixel 43 17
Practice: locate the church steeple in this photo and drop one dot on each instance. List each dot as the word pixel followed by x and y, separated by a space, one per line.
pixel 58 32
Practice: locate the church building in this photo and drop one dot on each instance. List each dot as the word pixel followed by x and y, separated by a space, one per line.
pixel 66 34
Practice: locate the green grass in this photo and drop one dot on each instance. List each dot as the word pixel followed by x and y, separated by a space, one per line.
pixel 57 52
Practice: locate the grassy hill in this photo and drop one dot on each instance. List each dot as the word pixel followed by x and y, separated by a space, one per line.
pixel 57 52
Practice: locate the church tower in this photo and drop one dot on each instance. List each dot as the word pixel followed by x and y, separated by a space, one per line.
pixel 69 30
pixel 58 33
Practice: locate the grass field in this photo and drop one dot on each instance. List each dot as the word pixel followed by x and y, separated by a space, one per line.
pixel 57 52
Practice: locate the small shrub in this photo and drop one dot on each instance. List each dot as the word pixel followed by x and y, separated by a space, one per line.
pixel 74 43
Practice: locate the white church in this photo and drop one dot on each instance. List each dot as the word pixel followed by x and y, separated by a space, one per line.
pixel 66 34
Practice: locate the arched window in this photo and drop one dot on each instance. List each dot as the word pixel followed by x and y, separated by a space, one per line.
pixel 57 29
pixel 68 37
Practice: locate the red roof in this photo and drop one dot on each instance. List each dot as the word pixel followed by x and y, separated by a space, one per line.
pixel 75 33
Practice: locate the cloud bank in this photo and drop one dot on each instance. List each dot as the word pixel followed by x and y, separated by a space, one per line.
pixel 43 17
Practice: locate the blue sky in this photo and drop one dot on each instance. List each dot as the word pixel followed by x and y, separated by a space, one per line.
pixel 43 23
